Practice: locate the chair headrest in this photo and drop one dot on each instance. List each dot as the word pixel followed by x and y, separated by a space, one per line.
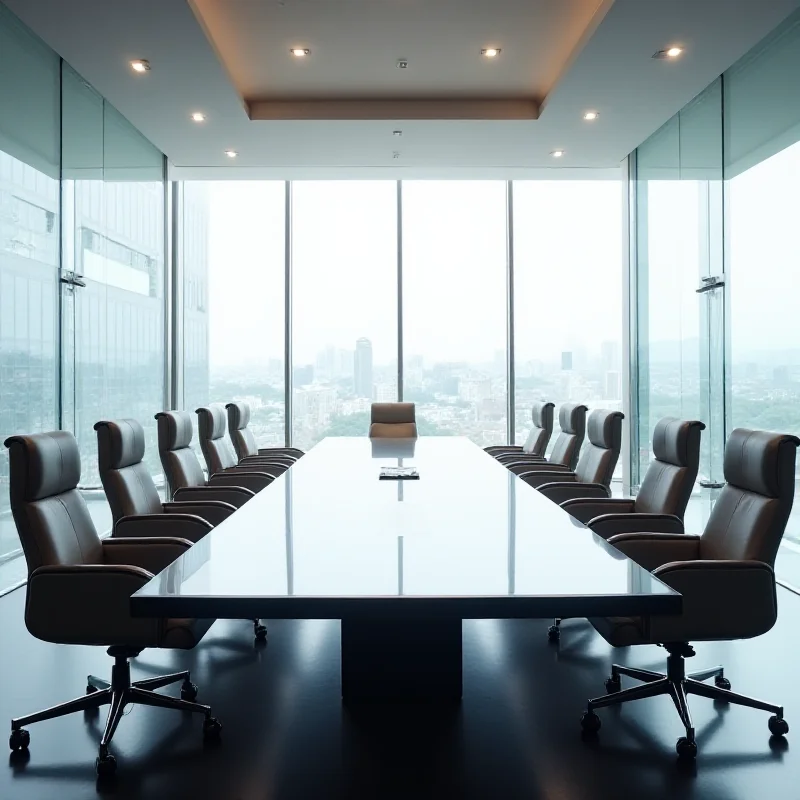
pixel 393 413
pixel 175 430
pixel 542 415
pixel 212 421
pixel 761 462
pixel 120 443
pixel 43 465
pixel 571 417
pixel 672 438
pixel 604 428
pixel 238 416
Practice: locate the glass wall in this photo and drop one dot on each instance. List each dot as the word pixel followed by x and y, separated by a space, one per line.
pixel 344 305
pixel 454 307
pixel 567 295
pixel 29 252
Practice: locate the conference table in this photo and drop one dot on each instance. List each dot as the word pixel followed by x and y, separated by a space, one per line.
pixel 401 562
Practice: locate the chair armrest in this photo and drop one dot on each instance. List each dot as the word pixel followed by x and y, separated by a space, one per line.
pixel 518 467
pixel 503 449
pixel 269 452
pixel 586 509
pixel 182 526
pixel 254 481
pixel 88 604
pixel 274 470
pixel 518 455
pixel 153 553
pixel 721 600
pixel 539 477
pixel 254 461
pixel 212 511
pixel 608 525
pixel 561 491
pixel 235 495
pixel 294 452
pixel 653 550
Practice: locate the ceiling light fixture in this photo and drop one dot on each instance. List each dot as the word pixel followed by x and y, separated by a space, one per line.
pixel 490 52
pixel 402 63
pixel 231 153
pixel 397 133
pixel 670 52
pixel 140 65
pixel 590 116
pixel 198 116
pixel 557 153
pixel 300 52
pixel 396 154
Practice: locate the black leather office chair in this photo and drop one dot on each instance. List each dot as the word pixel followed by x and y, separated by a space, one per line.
pixel 79 589
pixel 725 577
pixel 244 443
pixel 538 437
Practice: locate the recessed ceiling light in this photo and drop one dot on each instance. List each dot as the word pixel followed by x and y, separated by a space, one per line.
pixel 198 116
pixel 557 153
pixel 490 52
pixel 397 133
pixel 300 52
pixel 402 63
pixel 670 52
pixel 140 65
pixel 591 115
pixel 231 153
pixel 396 154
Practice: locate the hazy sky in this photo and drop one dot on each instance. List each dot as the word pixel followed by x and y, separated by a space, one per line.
pixel 567 263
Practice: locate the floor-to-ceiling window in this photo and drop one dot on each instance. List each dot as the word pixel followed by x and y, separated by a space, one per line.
pixel 454 307
pixel 567 295
pixel 232 246
pixel 344 305
pixel 29 253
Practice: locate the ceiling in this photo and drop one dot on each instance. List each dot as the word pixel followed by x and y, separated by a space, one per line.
pixel 333 113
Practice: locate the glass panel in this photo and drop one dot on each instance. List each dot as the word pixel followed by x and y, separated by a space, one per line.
pixel 567 345
pixel 454 307
pixel 113 199
pixel 763 207
pixel 29 228
pixel 233 286
pixel 344 295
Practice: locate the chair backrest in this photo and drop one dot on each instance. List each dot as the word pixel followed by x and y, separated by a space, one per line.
pixel 127 481
pixel 181 465
pixel 669 480
pixel 542 430
pixel 599 458
pixel 244 443
pixel 52 520
pixel 393 421
pixel 572 421
pixel 751 512
pixel 211 431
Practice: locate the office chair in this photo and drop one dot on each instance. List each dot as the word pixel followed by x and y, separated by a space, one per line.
pixel 567 448
pixel 185 475
pixel 393 421
pixel 244 443
pixel 664 492
pixel 136 506
pixel 79 589
pixel 538 436
pixel 596 465
pixel 725 577
pixel 219 456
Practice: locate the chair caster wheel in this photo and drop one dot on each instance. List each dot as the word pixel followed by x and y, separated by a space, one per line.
pixel 554 633
pixel 260 632
pixel 613 684
pixel 686 749
pixel 722 683
pixel 778 726
pixel 105 765
pixel 19 739
pixel 188 690
pixel 211 728
pixel 590 722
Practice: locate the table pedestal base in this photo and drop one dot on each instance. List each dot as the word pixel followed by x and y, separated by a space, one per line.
pixel 387 660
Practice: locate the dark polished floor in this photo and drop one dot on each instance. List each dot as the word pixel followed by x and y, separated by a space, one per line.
pixel 516 734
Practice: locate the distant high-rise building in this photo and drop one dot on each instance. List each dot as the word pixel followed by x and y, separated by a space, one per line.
pixel 362 363
pixel 566 359
pixel 302 376
pixel 612 385
pixel 609 355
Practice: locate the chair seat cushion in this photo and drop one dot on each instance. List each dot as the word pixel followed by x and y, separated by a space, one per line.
pixel 620 631
pixel 183 634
